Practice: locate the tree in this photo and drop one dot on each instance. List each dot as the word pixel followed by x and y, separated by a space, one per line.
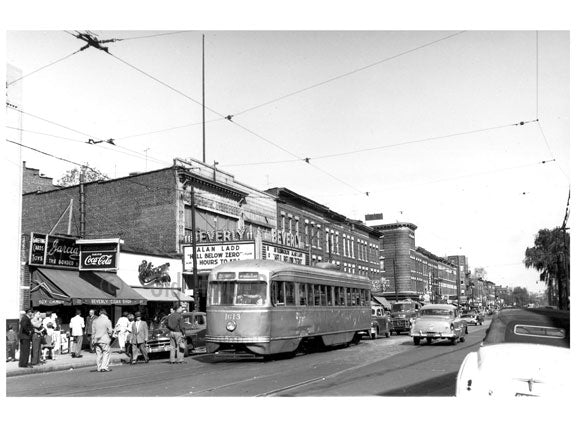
pixel 72 177
pixel 520 296
pixel 551 257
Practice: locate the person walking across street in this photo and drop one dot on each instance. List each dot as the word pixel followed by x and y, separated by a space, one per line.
pixel 88 322
pixel 128 349
pixel 139 337
pixel 25 335
pixel 36 338
pixel 101 338
pixel 121 330
pixel 77 333
pixel 175 324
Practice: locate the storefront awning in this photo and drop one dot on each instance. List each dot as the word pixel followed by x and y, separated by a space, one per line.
pixel 383 301
pixel 163 294
pixel 86 287
pixel 43 292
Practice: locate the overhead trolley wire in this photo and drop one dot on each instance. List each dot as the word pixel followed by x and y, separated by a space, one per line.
pixel 43 67
pixel 349 73
pixel 135 153
pixel 383 147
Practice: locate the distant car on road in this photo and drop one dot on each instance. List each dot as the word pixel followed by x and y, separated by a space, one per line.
pixel 438 321
pixel 472 318
pixel 526 352
pixel 195 333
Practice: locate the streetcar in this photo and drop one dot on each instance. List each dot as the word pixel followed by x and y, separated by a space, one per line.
pixel 265 308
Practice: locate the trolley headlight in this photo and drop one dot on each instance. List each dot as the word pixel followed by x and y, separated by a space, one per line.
pixel 231 325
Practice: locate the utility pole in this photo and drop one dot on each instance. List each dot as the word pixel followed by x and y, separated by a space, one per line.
pixel 203 108
pixel 82 204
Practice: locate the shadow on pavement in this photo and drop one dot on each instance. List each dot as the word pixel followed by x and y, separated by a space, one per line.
pixel 444 385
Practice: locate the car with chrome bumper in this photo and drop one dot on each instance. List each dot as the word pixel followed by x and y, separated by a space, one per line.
pixel 194 336
pixel 526 352
pixel 438 321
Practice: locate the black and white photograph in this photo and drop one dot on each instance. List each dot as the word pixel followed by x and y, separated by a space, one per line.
pixel 207 211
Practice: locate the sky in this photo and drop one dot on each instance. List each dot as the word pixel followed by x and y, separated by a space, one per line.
pixel 421 126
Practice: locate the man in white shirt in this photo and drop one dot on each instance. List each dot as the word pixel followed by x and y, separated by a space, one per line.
pixel 77 333
pixel 122 331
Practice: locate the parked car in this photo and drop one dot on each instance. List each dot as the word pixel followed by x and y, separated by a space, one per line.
pixel 472 318
pixel 439 321
pixel 526 352
pixel 195 334
pixel 380 322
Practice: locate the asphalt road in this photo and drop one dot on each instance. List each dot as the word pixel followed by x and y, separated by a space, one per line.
pixel 383 367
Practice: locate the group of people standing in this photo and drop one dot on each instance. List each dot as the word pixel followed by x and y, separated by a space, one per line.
pixel 130 330
pixel 35 337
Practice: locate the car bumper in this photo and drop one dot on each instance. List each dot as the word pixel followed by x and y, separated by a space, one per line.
pixel 422 334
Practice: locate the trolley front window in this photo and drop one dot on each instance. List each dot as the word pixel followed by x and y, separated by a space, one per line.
pixel 234 293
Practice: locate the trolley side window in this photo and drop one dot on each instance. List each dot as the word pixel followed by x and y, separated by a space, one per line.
pixel 337 295
pixel 330 295
pixel 348 296
pixel 290 293
pixel 278 293
pixel 362 296
pixel 317 300
pixel 302 294
pixel 310 294
pixel 221 293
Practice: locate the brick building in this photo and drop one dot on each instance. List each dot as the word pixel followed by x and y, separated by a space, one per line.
pixel 152 213
pixel 327 235
pixel 411 271
pixel 462 274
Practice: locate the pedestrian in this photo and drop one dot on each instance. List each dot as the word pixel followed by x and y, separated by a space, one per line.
pixel 36 338
pixel 11 344
pixel 175 324
pixel 101 338
pixel 121 330
pixel 25 335
pixel 128 348
pixel 77 333
pixel 89 319
pixel 139 338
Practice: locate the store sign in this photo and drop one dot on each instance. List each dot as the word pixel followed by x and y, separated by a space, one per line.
pixel 97 260
pixel 283 238
pixel 283 254
pixel 54 251
pixel 212 255
pixel 98 255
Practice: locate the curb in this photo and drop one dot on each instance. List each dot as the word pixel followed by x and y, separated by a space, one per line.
pixel 53 368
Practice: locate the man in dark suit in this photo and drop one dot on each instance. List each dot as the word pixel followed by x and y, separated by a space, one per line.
pixel 139 338
pixel 25 337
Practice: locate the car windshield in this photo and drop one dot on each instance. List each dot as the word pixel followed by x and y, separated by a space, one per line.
pixel 237 293
pixel 400 307
pixel 435 312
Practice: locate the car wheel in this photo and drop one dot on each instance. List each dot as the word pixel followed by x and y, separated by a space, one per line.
pixel 387 334
pixel 453 341
pixel 429 340
pixel 416 340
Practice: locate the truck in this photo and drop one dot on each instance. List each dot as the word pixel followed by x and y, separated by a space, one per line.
pixel 402 315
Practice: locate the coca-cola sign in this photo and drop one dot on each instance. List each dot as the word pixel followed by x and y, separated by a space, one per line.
pixel 98 256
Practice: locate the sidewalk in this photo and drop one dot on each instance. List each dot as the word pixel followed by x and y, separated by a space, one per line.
pixel 64 362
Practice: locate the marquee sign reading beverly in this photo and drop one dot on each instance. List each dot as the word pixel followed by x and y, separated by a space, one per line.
pixel 47 250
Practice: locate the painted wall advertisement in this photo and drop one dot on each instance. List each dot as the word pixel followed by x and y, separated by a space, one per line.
pixel 279 253
pixel 211 255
